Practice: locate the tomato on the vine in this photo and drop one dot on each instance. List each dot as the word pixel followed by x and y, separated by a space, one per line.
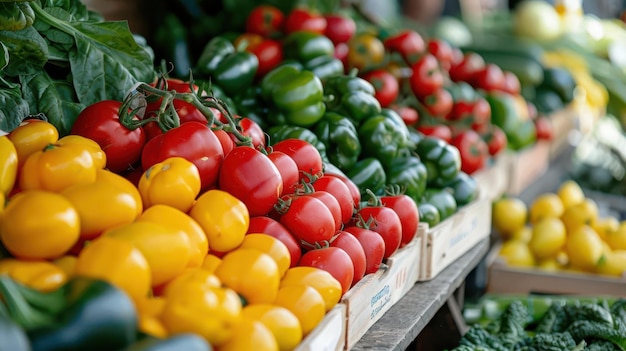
pixel 386 86
pixel 440 131
pixel 496 140
pixel 409 115
pixel 385 222
pixel 269 53
pixel 439 103
pixel 253 130
pixel 442 50
pixel 511 83
pixel 340 191
pixel 408 43
pixel 464 69
pixel 339 28
pixel 226 140
pixel 406 208
pixel 426 77
pixel 473 149
pixel 335 261
pixel 265 20
pixel 308 219
pixel 489 78
pixel 304 19
pixel 373 246
pixel 269 226
pixel 332 203
pixel 306 156
pixel 352 246
pixel 252 177
pixel 288 170
pixel 101 122
pixel 544 128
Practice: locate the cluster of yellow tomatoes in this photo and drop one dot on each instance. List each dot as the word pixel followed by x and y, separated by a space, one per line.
pixel 561 230
pixel 65 215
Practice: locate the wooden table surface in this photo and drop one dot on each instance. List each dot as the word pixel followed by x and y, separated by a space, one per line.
pixel 401 325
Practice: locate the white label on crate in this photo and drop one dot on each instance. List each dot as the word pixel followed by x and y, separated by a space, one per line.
pixel 332 332
pixel 379 300
pixel 463 233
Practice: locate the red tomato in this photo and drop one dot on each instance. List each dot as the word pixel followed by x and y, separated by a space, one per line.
pixel 252 177
pixel 340 191
pixel 489 78
pixel 335 261
pixel 544 128
pixel 193 141
pixel 186 111
pixel 265 20
pixel 496 140
pixel 426 77
pixel 269 53
pixel 352 246
pixel 532 110
pixel 333 205
pixel 288 170
pixel 408 43
pixel 384 221
pixel 481 113
pixel 307 157
pixel 409 115
pixel 354 189
pixel 339 28
pixel 439 103
pixel 406 208
pixel 269 226
pixel 373 246
pixel 101 122
pixel 253 130
pixel 151 129
pixel 341 53
pixel 511 83
pixel 465 68
pixel 309 220
pixel 440 131
pixel 303 19
pixel 228 144
pixel 442 51
pixel 386 86
pixel 473 149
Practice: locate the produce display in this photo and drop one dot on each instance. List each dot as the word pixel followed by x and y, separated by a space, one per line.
pixel 225 184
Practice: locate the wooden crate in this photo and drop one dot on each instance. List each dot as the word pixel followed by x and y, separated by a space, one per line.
pixel 450 239
pixel 330 334
pixel 526 166
pixel 493 180
pixel 371 297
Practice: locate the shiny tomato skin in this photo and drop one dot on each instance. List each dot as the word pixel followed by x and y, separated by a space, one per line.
pixel 269 226
pixel 101 122
pixel 309 220
pixel 406 208
pixel 426 77
pixel 473 149
pixel 496 140
pixel 307 157
pixel 252 177
pixel 303 19
pixel 354 189
pixel 489 78
pixel 373 246
pixel 386 86
pixel 352 246
pixel 225 140
pixel 464 69
pixel 545 130
pixel 409 115
pixel 288 170
pixel 332 203
pixel 335 261
pixel 386 223
pixel 511 83
pixel 253 130
pixel 439 103
pixel 339 28
pixel 442 50
pixel 265 20
pixel 269 53
pixel 408 43
pixel 440 131
pixel 340 190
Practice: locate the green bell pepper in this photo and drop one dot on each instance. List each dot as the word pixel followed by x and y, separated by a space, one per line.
pixel 509 115
pixel 524 136
pixel 278 133
pixel 186 342
pixel 341 85
pixel 442 160
pixel 464 188
pixel 428 214
pixel 359 106
pixel 340 137
pixel 395 117
pixel 84 314
pixel 409 173
pixel 368 173
pixel 443 200
pixel 561 81
pixel 352 97
pixel 325 67
pixel 229 68
pixel 381 138
pixel 304 46
pixel 13 336
pixel 297 94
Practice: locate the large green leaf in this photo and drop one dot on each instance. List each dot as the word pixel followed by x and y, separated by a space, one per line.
pixel 4 56
pixel 13 108
pixel 28 51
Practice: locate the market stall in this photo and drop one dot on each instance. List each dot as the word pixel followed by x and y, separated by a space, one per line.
pixel 310 176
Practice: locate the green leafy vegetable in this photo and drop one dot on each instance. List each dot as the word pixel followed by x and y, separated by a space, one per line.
pixel 13 108
pixel 15 15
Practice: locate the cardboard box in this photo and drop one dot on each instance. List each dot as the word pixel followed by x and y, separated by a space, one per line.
pixel 330 334
pixel 450 239
pixel 526 166
pixel 374 295
pixel 493 180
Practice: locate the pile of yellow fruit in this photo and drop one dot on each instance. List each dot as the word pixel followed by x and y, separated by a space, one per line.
pixel 560 231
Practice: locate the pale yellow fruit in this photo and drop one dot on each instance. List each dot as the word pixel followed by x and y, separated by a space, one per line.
pixel 508 215
pixel 550 264
pixel 584 213
pixel 614 263
pixel 604 226
pixel 516 254
pixel 617 238
pixel 570 193
pixel 584 248
pixel 548 238
pixel 545 205
pixel 523 234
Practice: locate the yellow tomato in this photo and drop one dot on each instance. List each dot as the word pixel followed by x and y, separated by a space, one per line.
pixel 584 213
pixel 614 263
pixel 523 234
pixel 283 324
pixel 94 149
pixel 191 275
pixel 516 253
pixel 548 237
pixel 224 218
pixel 101 205
pixel 117 262
pixel 605 226
pixel 253 274
pixel 39 225
pixel 509 214
pixel 271 246
pixel 67 264
pixel 211 262
pixel 617 238
pixel 305 303
pixel 584 248
pixel 365 51
pixel 570 194
pixel 176 220
pixel 40 275
pixel 250 335
pixel 174 182
pixel 546 205
pixel 104 175
pixel 32 135
pixel 8 165
pixel 166 250
pixel 212 313
pixel 319 279
pixel 57 167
